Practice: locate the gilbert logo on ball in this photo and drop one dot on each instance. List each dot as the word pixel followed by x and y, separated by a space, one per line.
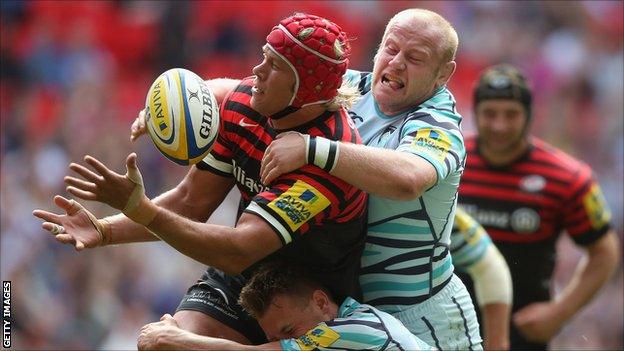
pixel 182 116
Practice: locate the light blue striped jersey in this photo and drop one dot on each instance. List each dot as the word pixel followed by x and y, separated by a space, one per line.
pixel 469 241
pixel 357 327
pixel 406 258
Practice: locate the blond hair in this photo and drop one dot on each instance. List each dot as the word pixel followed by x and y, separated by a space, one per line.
pixel 348 94
pixel 449 41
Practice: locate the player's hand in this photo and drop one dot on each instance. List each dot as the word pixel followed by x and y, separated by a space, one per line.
pixel 123 192
pixel 154 336
pixel 77 226
pixel 539 322
pixel 285 154
pixel 138 127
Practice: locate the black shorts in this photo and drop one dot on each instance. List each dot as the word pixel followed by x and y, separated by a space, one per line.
pixel 216 295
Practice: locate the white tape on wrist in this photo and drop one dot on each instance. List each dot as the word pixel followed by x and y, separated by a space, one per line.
pixel 322 152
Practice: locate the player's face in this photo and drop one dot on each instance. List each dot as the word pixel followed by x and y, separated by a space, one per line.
pixel 408 67
pixel 274 84
pixel 289 317
pixel 501 125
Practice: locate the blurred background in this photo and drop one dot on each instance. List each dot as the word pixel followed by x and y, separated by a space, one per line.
pixel 74 76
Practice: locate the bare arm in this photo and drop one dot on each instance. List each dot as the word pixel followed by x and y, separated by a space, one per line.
pixel 167 335
pixel 220 87
pixel 386 173
pixel 543 320
pixel 196 198
pixel 226 248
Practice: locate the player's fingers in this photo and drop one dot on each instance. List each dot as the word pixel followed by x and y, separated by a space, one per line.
pixel 79 246
pixel 85 195
pixel 53 228
pixel 64 239
pixel 47 216
pixel 98 166
pixel 85 172
pixel 80 184
pixel 271 175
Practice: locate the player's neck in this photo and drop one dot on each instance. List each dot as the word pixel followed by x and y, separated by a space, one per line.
pixel 299 117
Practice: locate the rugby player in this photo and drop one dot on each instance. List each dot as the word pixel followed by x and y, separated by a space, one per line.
pixel 307 216
pixel 410 165
pixel 475 256
pixel 525 193
pixel 296 313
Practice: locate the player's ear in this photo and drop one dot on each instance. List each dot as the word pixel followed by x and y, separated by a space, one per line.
pixel 321 300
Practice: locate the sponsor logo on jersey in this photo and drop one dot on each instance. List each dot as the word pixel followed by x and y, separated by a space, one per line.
pixel 525 220
pixel 522 220
pixel 248 182
pixel 432 141
pixel 298 204
pixel 320 336
pixel 596 207
pixel 532 183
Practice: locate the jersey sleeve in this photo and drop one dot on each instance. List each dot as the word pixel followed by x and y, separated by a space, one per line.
pixel 587 216
pixel 438 142
pixel 339 334
pixel 298 200
pixel 469 241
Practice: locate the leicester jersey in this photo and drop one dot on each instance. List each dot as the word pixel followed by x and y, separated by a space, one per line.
pixel 469 241
pixel 319 218
pixel 406 257
pixel 357 327
pixel 525 205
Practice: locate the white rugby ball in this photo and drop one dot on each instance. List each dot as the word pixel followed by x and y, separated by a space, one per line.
pixel 182 116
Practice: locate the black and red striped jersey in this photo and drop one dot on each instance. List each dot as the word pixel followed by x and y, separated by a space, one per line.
pixel 319 218
pixel 524 206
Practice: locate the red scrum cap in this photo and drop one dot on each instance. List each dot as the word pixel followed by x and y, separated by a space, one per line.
pixel 317 50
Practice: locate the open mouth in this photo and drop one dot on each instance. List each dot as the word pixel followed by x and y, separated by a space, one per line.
pixel 391 81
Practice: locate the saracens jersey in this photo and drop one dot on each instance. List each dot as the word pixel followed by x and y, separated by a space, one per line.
pixel 525 205
pixel 319 218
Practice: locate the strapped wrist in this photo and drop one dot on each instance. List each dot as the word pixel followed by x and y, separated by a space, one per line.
pixel 105 229
pixel 322 152
pixel 143 213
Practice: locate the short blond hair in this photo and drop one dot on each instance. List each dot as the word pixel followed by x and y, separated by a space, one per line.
pixel 449 39
pixel 348 94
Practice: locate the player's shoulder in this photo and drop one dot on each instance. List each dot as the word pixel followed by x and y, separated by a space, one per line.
pixel 548 155
pixel 438 112
pixel 360 79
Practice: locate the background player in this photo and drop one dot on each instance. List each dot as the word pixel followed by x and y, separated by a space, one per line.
pixel 525 193
pixel 297 313
pixel 474 254
pixel 330 212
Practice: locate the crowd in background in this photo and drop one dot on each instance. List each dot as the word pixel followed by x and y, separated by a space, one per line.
pixel 75 74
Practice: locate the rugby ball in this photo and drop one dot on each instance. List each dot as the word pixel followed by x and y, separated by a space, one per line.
pixel 181 116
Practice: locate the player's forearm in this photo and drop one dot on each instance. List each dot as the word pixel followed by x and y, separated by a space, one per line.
pixel 590 275
pixel 385 173
pixel 213 245
pixel 190 341
pixel 220 87
pixel 495 318
pixel 124 230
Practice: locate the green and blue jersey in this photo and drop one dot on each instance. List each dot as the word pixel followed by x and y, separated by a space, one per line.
pixel 406 258
pixel 357 327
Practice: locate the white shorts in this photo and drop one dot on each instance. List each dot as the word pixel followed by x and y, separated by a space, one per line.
pixel 447 320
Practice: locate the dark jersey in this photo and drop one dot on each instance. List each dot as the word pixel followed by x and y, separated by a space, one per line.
pixel 524 207
pixel 319 218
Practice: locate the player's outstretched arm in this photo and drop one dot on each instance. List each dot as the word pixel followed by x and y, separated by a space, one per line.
pixel 219 87
pixel 229 249
pixel 381 172
pixel 167 335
